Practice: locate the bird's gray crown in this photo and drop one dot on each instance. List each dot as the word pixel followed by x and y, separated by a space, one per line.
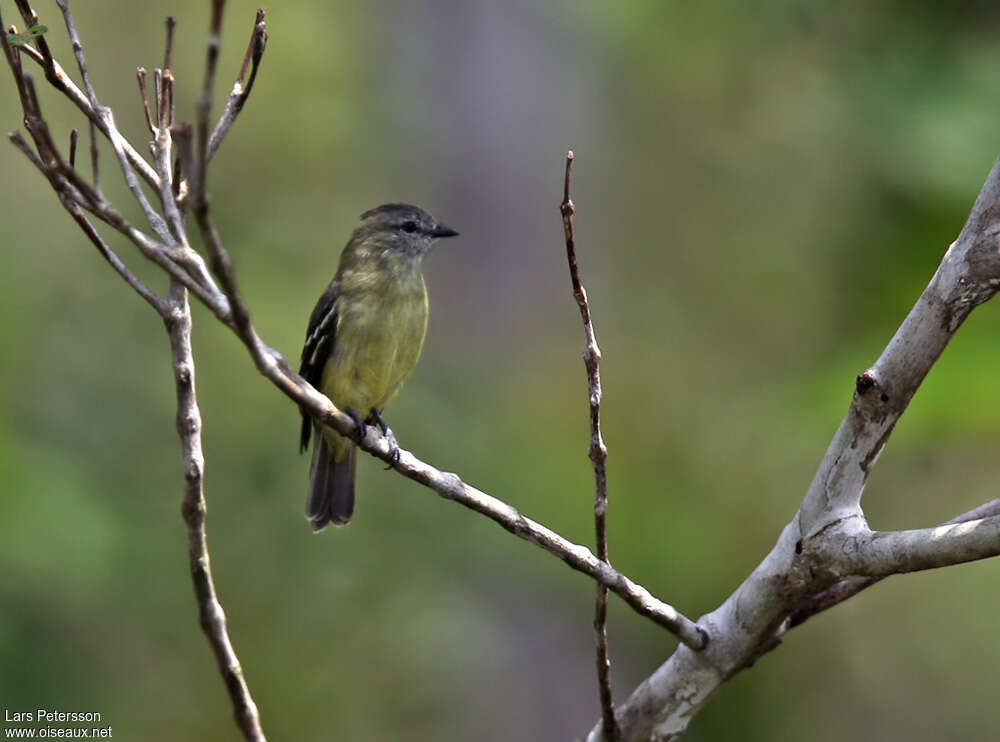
pixel 408 219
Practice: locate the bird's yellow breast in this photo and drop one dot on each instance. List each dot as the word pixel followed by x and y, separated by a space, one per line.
pixel 380 332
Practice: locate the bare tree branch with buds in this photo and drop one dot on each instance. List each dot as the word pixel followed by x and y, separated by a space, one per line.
pixel 824 555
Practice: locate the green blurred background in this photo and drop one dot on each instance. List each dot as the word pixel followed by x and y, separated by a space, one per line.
pixel 763 190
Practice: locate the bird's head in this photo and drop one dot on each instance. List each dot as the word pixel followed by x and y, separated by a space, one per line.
pixel 402 228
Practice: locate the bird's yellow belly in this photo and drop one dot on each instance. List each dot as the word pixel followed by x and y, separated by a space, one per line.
pixel 372 357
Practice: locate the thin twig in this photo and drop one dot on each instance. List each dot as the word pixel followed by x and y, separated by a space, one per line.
pixel 598 456
pixel 57 76
pixel 18 141
pixel 140 74
pixel 222 264
pixel 73 136
pixel 184 264
pixel 163 141
pixel 93 158
pixel 158 95
pixel 168 45
pixel 81 62
pixel 30 21
pixel 114 136
pixel 108 254
pixel 198 176
pixel 167 103
pixel 242 87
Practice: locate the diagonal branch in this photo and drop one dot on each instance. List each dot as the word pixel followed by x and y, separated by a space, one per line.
pixel 829 539
pixel 598 455
pixel 108 254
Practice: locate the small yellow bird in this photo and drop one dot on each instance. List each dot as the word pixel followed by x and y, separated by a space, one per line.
pixel 364 340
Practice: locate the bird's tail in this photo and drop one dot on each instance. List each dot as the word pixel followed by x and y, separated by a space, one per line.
pixel 331 487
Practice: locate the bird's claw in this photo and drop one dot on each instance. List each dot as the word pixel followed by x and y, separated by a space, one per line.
pixel 359 424
pixel 393 447
pixel 376 417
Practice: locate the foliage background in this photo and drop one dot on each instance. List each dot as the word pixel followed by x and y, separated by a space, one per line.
pixel 762 189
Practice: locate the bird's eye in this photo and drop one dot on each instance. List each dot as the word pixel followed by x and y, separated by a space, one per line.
pixel 409 227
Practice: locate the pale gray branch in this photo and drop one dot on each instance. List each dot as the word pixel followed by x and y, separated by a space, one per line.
pixel 829 540
pixel 211 614
pixel 848 588
pixel 882 553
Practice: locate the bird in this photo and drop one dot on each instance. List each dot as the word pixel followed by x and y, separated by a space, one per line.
pixel 363 341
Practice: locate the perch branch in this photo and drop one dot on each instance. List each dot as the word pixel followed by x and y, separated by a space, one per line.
pixel 187 267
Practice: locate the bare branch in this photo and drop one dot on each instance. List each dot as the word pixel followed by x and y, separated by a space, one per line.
pixel 222 264
pixel 213 618
pixel 94 159
pixel 186 267
pixel 31 20
pixel 61 82
pixel 114 136
pixel 168 46
pixel 108 254
pixel 598 455
pixel 853 585
pixel 182 263
pixel 81 62
pixel 174 262
pixel 242 87
pixel 162 144
pixel 55 74
pixel 140 74
pixel 883 553
pixel 198 175
pixel 806 561
pixel 18 141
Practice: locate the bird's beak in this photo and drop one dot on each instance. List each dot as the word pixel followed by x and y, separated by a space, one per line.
pixel 443 230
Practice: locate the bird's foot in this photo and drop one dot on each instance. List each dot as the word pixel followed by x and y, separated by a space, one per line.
pixel 387 433
pixel 359 424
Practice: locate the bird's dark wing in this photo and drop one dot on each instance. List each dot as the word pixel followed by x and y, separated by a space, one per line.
pixel 320 339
